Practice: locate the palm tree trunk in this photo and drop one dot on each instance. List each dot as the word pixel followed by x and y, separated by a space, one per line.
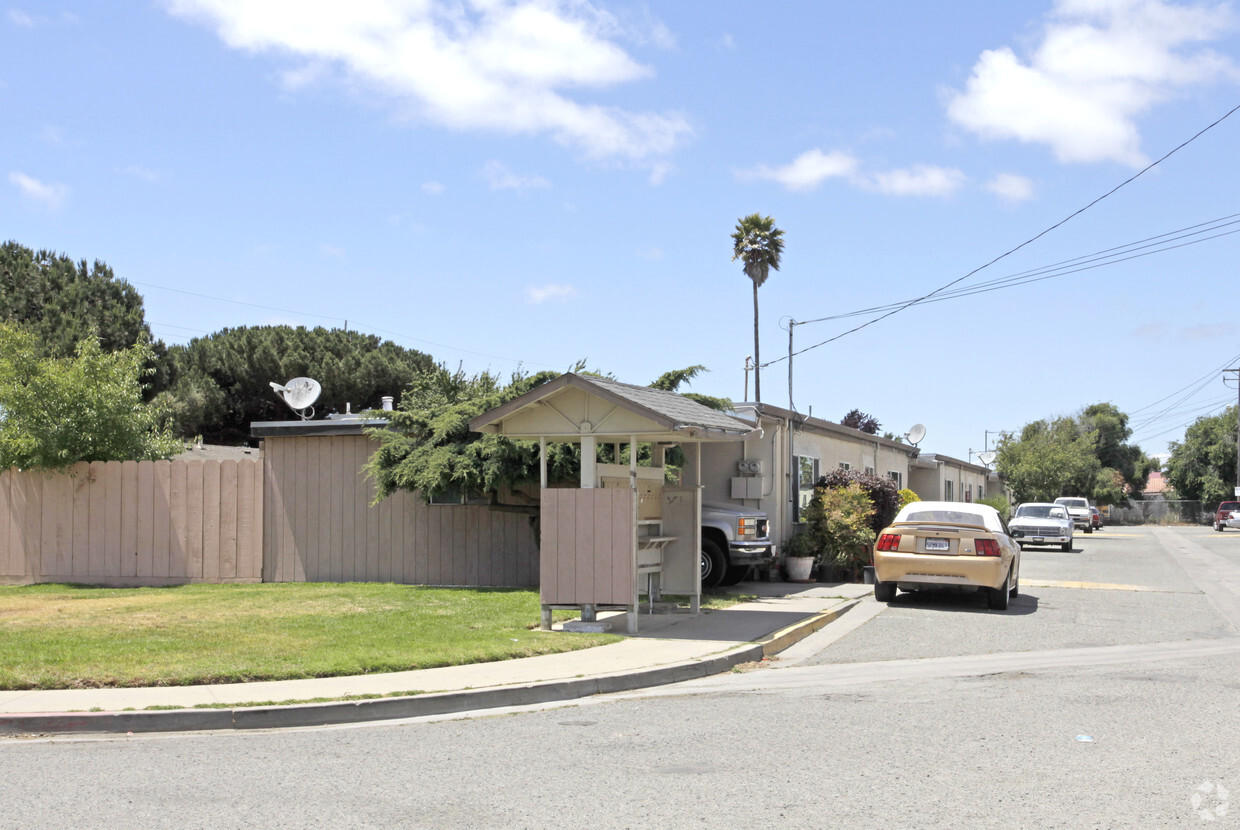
pixel 757 361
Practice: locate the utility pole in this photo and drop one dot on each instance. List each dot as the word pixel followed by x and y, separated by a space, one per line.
pixel 1237 373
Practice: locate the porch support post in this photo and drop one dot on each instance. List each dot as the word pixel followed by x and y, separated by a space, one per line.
pixel 589 455
pixel 542 461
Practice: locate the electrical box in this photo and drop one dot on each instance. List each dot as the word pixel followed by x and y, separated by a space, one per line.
pixel 749 467
pixel 747 487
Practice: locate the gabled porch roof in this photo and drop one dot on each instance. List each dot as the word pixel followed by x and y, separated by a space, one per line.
pixel 574 406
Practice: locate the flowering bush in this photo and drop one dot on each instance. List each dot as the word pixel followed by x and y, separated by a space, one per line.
pixel 838 526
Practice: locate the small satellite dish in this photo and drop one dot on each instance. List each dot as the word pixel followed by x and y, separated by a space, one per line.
pixel 300 394
pixel 986 458
pixel 915 434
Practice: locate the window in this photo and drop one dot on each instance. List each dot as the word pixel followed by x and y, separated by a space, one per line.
pixel 968 492
pixel 807 474
pixel 897 477
pixel 869 471
pixel 949 491
pixel 844 465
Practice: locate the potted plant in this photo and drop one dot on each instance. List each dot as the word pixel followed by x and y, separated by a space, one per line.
pixel 800 554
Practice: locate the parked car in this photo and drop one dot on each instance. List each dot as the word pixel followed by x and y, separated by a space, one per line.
pixel 733 542
pixel 1078 509
pixel 947 544
pixel 1095 518
pixel 1227 515
pixel 1041 523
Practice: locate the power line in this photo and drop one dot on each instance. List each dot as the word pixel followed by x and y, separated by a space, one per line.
pixel 1111 256
pixel 1008 253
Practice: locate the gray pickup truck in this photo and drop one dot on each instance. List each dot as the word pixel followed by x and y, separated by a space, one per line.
pixel 733 542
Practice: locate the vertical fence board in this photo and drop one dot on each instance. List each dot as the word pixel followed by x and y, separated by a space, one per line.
pixel 323 510
pixel 81 521
pixel 249 521
pixel 97 533
pixel 584 546
pixel 129 519
pixel 6 513
pixel 161 521
pixel 178 532
pixel 145 541
pixel 57 540
pixel 32 530
pixel 339 471
pixel 229 503
pixel 111 485
pixel 194 517
pixel 211 520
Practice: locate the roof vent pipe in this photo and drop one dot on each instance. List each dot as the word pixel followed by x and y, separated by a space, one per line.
pixel 387 403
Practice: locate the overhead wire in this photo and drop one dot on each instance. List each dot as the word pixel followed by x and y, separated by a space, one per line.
pixel 1029 241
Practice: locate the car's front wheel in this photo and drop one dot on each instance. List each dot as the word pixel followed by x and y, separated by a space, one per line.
pixel 1066 546
pixel 714 565
pixel 1089 530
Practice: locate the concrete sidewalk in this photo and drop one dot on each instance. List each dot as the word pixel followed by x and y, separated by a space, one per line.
pixel 670 648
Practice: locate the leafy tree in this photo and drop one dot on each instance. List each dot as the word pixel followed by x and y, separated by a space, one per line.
pixel 221 383
pixel 1085 455
pixel 1115 453
pixel 671 382
pixel 759 245
pixel 429 447
pixel 57 411
pixel 1203 465
pixel 862 421
pixel 1048 460
pixel 62 303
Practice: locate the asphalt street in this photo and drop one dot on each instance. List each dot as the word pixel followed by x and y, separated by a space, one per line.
pixel 1107 696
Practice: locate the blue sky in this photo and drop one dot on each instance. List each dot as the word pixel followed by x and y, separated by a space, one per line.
pixel 509 183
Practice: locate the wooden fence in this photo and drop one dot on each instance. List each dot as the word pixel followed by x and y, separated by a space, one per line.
pixel 133 523
pixel 302 512
pixel 321 525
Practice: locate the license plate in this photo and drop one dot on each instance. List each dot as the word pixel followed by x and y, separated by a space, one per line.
pixel 938 544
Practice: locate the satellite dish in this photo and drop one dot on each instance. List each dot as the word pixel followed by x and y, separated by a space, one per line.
pixel 986 457
pixel 915 434
pixel 300 394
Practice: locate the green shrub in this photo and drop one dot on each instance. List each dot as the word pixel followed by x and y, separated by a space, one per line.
pixel 999 503
pixel 838 523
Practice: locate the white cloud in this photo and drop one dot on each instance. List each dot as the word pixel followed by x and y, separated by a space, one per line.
pixel 501 178
pixel 51 196
pixel 921 180
pixel 432 188
pixel 727 43
pixel 1010 187
pixel 1100 65
pixel 19 18
pixel 813 167
pixel 541 294
pixel 503 65
pixel 807 171
pixel 651 253
pixel 331 251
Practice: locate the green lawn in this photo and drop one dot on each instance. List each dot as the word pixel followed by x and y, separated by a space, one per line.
pixel 65 636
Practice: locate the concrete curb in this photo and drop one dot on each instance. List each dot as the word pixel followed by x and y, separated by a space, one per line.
pixel 437 703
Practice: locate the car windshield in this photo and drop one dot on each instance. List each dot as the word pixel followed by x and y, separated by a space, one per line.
pixel 1040 511
pixel 956 517
pixel 1073 502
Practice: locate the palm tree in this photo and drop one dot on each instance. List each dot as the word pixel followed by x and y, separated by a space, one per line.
pixel 758 243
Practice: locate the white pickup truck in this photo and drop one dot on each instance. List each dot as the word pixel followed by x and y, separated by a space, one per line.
pixel 1078 509
pixel 733 541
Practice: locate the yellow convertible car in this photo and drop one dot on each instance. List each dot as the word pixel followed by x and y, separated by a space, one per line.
pixel 941 544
